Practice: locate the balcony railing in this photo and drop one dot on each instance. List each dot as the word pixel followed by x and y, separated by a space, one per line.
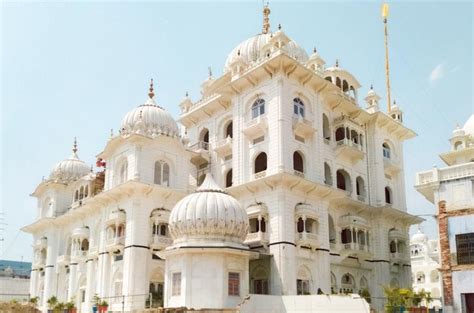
pixel 349 143
pixel 355 246
pixel 63 259
pixel 257 237
pixel 115 243
pixel 444 174
pixel 199 146
pixel 160 241
pixel 224 146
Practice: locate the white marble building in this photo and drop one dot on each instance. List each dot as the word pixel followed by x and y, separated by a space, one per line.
pixel 424 266
pixel 318 170
pixel 451 189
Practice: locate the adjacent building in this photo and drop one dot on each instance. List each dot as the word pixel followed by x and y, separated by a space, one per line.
pixel 425 266
pixel 14 280
pixel 451 189
pixel 317 170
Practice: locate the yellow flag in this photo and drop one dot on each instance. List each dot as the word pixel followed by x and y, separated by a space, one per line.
pixel 385 10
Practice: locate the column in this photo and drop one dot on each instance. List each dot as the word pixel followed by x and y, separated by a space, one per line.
pixel 72 280
pixel 50 272
pixel 33 283
pixel 90 290
pixel 136 257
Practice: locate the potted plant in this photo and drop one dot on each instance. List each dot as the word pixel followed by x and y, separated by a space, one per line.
pixel 103 305
pixel 59 307
pixel 34 302
pixel 393 299
pixel 364 293
pixel 96 301
pixel 52 304
pixel 70 307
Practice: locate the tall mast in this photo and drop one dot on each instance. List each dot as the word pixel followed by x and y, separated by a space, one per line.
pixel 387 67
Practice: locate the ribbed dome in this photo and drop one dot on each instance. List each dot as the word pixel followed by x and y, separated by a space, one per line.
pixel 208 216
pixel 150 120
pixel 469 126
pixel 251 50
pixel 70 169
pixel 419 237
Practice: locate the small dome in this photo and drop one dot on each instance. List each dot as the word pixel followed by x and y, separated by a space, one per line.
pixel 251 50
pixel 149 119
pixel 469 126
pixel 419 237
pixel 69 169
pixel 210 216
pixel 458 132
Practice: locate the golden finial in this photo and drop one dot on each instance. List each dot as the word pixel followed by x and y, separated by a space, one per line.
pixel 210 71
pixel 337 62
pixel 279 26
pixel 314 50
pixel 74 146
pixel 151 92
pixel 187 94
pixel 266 19
pixel 371 87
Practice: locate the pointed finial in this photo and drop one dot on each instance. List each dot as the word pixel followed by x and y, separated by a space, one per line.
pixel 92 168
pixel 337 62
pixel 314 50
pixel 266 19
pixel 279 26
pixel 210 71
pixel 111 132
pixel 187 94
pixel 151 92
pixel 371 87
pixel 74 146
pixel 238 53
pixel 394 102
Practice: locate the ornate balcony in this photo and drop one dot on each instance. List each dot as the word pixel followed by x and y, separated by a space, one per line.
pixel 257 239
pixel 349 148
pixel 63 260
pixel 355 249
pixel 307 239
pixel 398 256
pixel 200 153
pixel 224 147
pixel 94 251
pixel 160 242
pixel 39 263
pixel 78 255
pixel 115 244
pixel 256 127
pixel 302 127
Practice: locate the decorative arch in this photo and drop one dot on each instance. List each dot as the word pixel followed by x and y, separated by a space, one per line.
pixel 298 107
pixel 229 178
pixel 360 187
pixel 258 108
pixel 347 283
pixel 204 135
pixel 332 229
pixel 326 128
pixel 121 171
pixel 259 280
pixel 303 280
pixel 229 129
pixel 327 174
pixel 343 180
pixel 260 162
pixel 388 195
pixel 298 161
pixel 162 173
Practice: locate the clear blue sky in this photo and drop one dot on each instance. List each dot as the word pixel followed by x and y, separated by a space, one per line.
pixel 75 68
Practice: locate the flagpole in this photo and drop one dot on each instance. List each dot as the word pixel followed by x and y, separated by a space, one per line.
pixel 387 66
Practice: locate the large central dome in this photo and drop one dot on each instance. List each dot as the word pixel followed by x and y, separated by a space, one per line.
pixel 251 50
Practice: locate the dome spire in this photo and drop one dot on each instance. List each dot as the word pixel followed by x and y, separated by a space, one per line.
pixel 74 146
pixel 151 92
pixel 266 19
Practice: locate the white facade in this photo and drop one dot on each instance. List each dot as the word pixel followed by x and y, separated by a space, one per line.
pixel 425 267
pixel 320 178
pixel 451 188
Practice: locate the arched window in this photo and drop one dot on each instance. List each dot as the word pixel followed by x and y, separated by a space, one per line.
pixel 85 245
pixel 228 178
pixel 162 173
pixel 200 179
pixel 328 78
pixel 300 225
pixel 393 246
pixel 360 187
pixel 123 172
pixel 345 86
pixel 386 151
pixel 388 195
pixel 298 162
pixel 229 130
pixel 457 145
pixel 258 108
pixel 327 174
pixel 260 163
pixel 81 192
pixel 163 229
pixel 326 131
pixel 332 230
pixel 347 283
pixel 340 134
pixel 204 135
pixel 86 191
pixel 343 180
pixel 346 235
pixel 298 107
pixel 338 82
pixel 76 195
pixel 354 136
pixel 434 276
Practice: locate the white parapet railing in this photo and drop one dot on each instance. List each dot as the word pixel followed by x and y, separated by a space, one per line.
pixel 444 174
